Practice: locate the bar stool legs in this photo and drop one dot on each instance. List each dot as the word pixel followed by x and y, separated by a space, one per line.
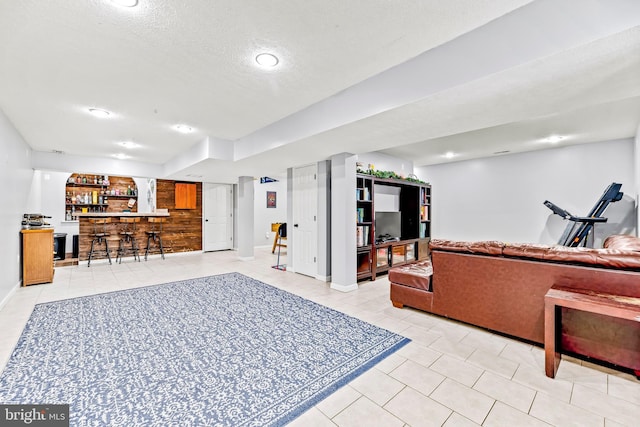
pixel 99 237
pixel 128 236
pixel 154 235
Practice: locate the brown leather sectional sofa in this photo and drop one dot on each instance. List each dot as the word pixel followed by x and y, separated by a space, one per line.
pixel 501 287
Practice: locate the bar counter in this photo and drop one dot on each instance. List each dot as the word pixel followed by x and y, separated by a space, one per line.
pixel 119 214
pixel 87 229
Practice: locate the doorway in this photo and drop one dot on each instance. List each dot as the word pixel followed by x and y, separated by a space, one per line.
pixel 217 215
pixel 304 231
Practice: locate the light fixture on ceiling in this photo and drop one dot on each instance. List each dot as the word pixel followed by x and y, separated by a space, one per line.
pixel 554 139
pixel 120 156
pixel 449 155
pixel 125 3
pixel 267 60
pixel 99 112
pixel 183 128
pixel 128 144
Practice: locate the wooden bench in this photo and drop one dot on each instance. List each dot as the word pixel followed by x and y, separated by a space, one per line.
pixel 622 307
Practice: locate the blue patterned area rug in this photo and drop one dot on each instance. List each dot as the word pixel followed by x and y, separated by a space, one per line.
pixel 224 350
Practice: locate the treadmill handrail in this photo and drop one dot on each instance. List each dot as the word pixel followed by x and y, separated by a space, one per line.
pixel 575 234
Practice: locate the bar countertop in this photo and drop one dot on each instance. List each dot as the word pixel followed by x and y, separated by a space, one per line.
pixel 120 214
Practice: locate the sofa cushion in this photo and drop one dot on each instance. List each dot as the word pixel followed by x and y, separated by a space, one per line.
pixel 607 258
pixel 525 250
pixel 622 241
pixel 487 247
pixel 417 275
pixel 619 251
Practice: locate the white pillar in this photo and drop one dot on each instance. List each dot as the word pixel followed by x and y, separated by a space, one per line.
pixel 343 222
pixel 324 221
pixel 245 218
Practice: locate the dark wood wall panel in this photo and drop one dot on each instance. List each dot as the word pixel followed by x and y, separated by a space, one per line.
pixel 183 230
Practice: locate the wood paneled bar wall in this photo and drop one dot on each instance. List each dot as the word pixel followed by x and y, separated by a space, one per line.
pixel 182 231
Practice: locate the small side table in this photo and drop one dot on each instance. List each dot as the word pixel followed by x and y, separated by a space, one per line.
pixel 622 307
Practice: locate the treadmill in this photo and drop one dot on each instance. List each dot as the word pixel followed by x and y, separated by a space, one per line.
pixel 579 227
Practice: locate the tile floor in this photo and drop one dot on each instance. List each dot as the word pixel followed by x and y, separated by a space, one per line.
pixel 449 375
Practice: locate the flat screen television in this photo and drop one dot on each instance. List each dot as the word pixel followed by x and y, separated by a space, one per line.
pixel 388 224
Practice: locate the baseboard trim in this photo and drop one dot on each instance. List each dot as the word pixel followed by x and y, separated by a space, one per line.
pixel 12 291
pixel 323 278
pixel 344 288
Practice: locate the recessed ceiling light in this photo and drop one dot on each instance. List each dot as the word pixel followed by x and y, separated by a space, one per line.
pixel 183 128
pixel 267 60
pixel 121 156
pixel 100 113
pixel 125 3
pixel 128 144
pixel 554 139
pixel 449 155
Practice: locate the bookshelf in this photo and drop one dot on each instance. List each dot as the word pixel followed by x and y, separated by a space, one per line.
pixel 364 226
pixel 414 203
pixel 425 212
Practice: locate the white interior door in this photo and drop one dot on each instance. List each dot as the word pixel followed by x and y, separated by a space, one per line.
pixel 218 217
pixel 304 227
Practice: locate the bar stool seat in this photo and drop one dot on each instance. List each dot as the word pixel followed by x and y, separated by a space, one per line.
pixel 128 236
pixel 154 235
pixel 99 236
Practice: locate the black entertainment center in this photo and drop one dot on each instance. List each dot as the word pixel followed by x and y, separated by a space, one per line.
pixel 390 234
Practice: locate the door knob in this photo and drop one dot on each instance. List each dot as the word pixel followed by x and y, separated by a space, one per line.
pixel 295 225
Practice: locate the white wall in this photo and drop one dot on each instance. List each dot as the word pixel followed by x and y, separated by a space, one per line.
pixel 52 201
pixel 263 216
pixel 501 198
pixel 17 179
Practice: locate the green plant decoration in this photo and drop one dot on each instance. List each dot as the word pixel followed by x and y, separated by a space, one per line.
pixel 391 175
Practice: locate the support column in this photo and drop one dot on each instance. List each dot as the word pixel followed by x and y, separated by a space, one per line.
pixel 324 221
pixel 343 223
pixel 245 218
pixel 636 169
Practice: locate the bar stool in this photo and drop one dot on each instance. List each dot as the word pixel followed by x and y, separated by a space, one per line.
pixel 99 236
pixel 154 235
pixel 128 235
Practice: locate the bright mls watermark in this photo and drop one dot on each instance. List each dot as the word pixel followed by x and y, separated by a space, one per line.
pixel 34 415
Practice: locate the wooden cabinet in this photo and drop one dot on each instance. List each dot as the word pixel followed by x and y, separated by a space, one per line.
pixel 185 195
pixel 410 240
pixel 37 256
pixel 392 254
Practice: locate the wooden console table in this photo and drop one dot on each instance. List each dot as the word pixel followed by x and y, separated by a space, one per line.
pixel 622 307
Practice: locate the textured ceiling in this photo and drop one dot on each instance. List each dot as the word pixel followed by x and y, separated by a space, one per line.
pixel 413 79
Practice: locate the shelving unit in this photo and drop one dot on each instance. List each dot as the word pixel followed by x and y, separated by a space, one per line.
pixel 376 257
pixel 98 193
pixel 425 212
pixel 364 226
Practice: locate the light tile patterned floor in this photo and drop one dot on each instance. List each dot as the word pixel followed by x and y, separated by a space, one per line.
pixel 450 375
